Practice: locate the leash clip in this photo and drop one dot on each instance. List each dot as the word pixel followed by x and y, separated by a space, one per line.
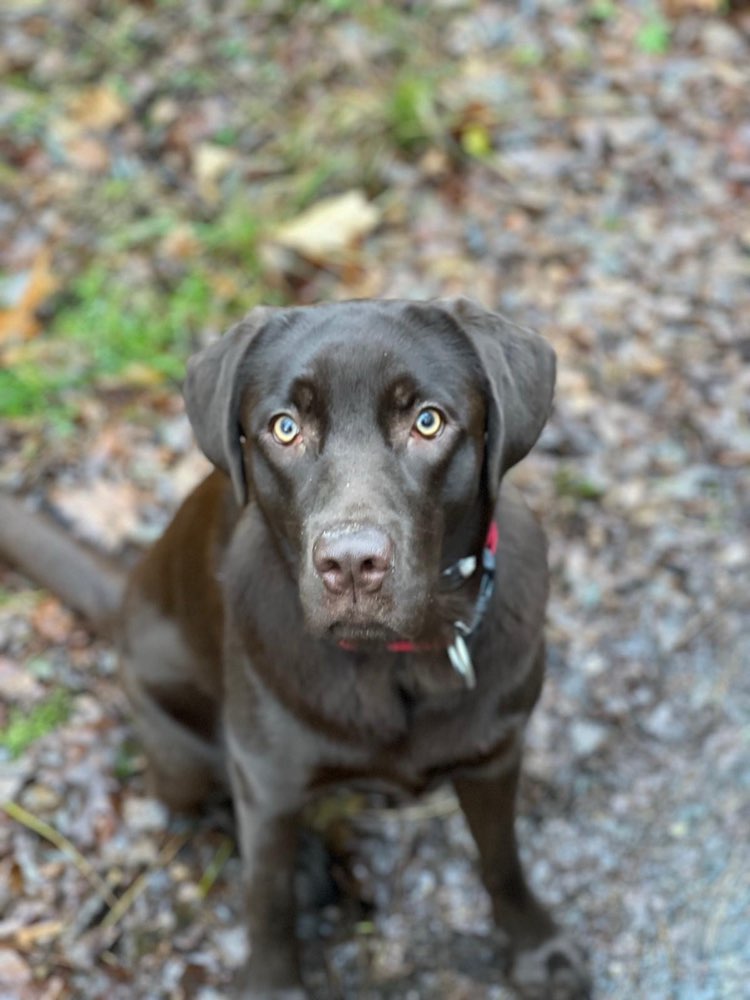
pixel 458 654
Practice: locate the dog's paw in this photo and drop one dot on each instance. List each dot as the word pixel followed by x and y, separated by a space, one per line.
pixel 557 969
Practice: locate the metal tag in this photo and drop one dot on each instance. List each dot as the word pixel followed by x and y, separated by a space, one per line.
pixel 458 654
pixel 467 566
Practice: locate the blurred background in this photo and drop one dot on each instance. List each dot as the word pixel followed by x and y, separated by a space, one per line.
pixel 583 167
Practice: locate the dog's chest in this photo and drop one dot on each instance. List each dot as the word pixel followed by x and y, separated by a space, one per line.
pixel 435 747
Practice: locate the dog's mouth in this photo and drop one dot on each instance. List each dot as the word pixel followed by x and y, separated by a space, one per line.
pixel 361 633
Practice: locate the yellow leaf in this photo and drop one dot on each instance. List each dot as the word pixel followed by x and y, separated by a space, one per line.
pixel 476 141
pixel 676 7
pixel 210 163
pixel 97 108
pixel 329 227
pixel 19 322
pixel 180 243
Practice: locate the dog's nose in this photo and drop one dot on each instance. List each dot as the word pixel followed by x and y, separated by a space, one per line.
pixel 357 559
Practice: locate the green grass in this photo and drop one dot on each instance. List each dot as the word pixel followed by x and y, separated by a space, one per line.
pixel 411 111
pixel 654 37
pixel 341 6
pixel 119 323
pixel 141 232
pixel 600 11
pixel 110 325
pixel 232 238
pixel 114 326
pixel 25 727
pixel 527 56
pixel 128 761
pixel 569 483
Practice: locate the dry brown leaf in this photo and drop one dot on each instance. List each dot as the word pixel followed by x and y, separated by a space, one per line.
pixel 676 7
pixel 87 154
pixel 45 930
pixel 180 243
pixel 210 163
pixel 14 971
pixel 101 512
pixel 140 374
pixel 187 473
pixel 52 621
pixel 19 322
pixel 97 108
pixel 329 227
pixel 16 683
pixel 226 286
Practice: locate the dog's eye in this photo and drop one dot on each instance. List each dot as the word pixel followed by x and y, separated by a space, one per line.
pixel 285 428
pixel 430 422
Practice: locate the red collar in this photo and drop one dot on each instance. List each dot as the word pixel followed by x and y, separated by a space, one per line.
pixel 458 651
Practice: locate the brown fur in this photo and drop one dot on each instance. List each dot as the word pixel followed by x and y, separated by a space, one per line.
pixel 230 635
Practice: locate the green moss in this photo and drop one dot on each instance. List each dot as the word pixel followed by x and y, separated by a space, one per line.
pixel 25 727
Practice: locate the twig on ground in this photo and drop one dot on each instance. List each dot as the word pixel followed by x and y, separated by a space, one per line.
pixel 122 905
pixel 215 866
pixel 38 826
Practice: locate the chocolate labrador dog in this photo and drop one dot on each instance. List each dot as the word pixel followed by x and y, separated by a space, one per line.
pixel 354 596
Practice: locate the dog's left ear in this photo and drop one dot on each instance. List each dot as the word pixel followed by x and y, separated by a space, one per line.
pixel 213 391
pixel 520 370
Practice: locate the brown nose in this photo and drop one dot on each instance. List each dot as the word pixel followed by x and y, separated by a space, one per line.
pixel 355 559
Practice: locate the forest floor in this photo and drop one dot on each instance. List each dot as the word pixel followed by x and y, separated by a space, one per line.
pixel 583 167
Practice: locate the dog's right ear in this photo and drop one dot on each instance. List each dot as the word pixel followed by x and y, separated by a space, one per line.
pixel 213 392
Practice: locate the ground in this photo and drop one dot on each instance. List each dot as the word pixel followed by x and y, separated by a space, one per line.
pixel 583 167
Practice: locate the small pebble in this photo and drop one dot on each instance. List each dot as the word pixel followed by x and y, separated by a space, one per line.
pixel 145 815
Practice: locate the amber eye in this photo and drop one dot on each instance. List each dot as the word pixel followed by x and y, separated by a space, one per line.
pixel 430 422
pixel 284 428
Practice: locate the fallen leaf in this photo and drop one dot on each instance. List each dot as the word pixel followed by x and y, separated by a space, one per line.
pixel 101 512
pixel 13 970
pixel 329 227
pixel 476 141
pixel 187 473
pixel 16 683
pixel 87 154
pixel 141 374
pixel 45 930
pixel 97 108
pixel 676 7
pixel 19 322
pixel 52 621
pixel 210 163
pixel 180 243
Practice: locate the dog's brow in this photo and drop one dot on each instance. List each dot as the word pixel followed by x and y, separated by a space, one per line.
pixel 303 392
pixel 402 392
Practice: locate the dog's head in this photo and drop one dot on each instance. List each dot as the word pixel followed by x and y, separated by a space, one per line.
pixel 373 437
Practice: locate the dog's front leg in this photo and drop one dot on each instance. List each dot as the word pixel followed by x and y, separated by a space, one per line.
pixel 268 846
pixel 546 964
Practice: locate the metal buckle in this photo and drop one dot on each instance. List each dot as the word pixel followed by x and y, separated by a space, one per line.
pixel 458 654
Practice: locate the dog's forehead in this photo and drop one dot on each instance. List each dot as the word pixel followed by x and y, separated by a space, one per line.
pixel 358 344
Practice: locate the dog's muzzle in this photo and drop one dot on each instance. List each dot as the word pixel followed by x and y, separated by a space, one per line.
pixel 353 560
